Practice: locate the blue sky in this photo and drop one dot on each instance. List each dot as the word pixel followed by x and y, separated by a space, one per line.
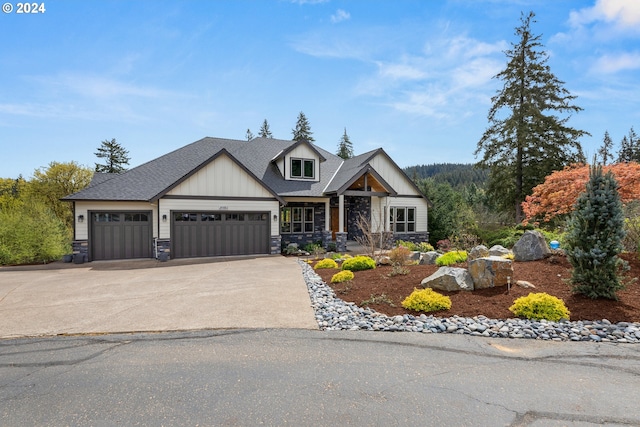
pixel 413 77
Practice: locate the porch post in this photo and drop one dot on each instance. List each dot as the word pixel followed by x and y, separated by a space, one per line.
pixel 341 236
pixel 327 215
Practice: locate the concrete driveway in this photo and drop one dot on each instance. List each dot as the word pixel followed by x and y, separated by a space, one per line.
pixel 148 295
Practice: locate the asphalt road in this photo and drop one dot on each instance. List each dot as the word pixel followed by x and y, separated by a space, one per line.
pixel 313 378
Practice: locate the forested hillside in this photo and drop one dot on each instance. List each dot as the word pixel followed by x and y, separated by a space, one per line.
pixel 455 174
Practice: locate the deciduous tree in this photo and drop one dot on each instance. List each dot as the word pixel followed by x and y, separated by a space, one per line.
pixel 526 138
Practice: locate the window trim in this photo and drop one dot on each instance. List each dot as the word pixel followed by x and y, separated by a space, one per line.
pixel 409 226
pixel 293 218
pixel 303 164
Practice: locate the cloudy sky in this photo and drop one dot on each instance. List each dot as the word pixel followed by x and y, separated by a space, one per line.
pixel 413 77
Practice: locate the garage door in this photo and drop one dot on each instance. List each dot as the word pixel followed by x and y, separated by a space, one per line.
pixel 121 235
pixel 203 234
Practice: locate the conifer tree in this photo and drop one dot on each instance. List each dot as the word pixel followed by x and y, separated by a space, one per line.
pixel 302 131
pixel 526 139
pixel 115 155
pixel 594 237
pixel 606 149
pixel 345 148
pixel 249 135
pixel 629 148
pixel 265 132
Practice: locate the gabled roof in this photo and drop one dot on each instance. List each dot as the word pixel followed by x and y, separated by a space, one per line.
pixel 296 144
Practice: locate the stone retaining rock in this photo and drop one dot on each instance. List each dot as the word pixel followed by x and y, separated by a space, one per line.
pixel 531 247
pixel 489 272
pixel 479 251
pixel 449 279
pixel 429 258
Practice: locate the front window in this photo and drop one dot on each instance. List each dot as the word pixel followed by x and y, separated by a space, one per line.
pixel 402 219
pixel 302 168
pixel 296 220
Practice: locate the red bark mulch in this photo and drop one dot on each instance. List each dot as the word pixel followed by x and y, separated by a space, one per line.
pixel 548 275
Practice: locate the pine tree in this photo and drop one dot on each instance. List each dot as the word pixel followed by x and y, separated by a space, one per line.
pixel 594 237
pixel 116 157
pixel 345 148
pixel 629 148
pixel 606 150
pixel 526 140
pixel 265 132
pixel 249 135
pixel 302 131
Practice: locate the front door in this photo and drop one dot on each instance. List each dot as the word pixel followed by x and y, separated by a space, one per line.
pixel 335 222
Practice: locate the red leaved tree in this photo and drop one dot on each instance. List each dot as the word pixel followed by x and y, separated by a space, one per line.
pixel 558 193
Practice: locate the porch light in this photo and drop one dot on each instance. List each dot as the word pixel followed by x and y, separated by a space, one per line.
pixel 275 217
pixel 164 218
pixel 80 218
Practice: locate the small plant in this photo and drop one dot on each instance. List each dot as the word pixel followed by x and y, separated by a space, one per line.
pixel 426 300
pixel 464 241
pixel 425 247
pixel 398 269
pixel 510 256
pixel 540 306
pixel 342 276
pixel 444 245
pixel 378 299
pixel 359 263
pixel 399 255
pixel 453 257
pixel 325 263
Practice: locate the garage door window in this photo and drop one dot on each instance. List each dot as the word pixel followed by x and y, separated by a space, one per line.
pixel 210 217
pixel 136 217
pixel 179 217
pixel 107 217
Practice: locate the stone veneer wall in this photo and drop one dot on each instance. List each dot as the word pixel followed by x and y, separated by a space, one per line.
pixel 412 237
pixel 81 247
pixel 357 205
pixel 302 239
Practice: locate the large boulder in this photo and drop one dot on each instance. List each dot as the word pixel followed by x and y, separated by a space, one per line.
pixel 490 272
pixel 414 256
pixel 428 258
pixel 479 251
pixel 531 247
pixel 449 279
pixel 498 250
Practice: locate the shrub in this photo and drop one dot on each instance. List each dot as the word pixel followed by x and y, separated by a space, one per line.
pixel 325 263
pixel 425 247
pixel 342 276
pixel 540 306
pixel 444 245
pixel 409 245
pixel 426 300
pixel 594 237
pixel 399 255
pixel 452 257
pixel 359 263
pixel 510 256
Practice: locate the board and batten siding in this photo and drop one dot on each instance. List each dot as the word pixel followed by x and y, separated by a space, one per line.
pixel 221 178
pixel 84 207
pixel 395 177
pixel 302 152
pixel 217 205
pixel 378 210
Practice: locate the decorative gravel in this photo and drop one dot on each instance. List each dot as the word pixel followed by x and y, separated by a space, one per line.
pixel 332 313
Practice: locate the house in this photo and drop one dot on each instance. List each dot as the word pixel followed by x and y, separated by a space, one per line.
pixel 219 197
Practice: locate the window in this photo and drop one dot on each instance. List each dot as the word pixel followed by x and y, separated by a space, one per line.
pixel 210 217
pixel 303 168
pixel 402 219
pixel 296 220
pixel 136 217
pixel 107 217
pixel 181 216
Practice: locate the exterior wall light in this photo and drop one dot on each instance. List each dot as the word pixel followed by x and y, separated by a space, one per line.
pixel 164 218
pixel 80 218
pixel 275 218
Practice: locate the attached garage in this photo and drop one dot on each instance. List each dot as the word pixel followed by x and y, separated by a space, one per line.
pixel 121 235
pixel 204 234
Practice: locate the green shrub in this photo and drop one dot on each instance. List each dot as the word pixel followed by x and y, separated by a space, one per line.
pixel 540 306
pixel 325 263
pixel 452 257
pixel 359 263
pixel 425 247
pixel 409 245
pixel 342 276
pixel 426 300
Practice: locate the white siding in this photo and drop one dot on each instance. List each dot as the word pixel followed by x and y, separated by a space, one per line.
pixel 222 178
pixel 302 151
pixel 83 208
pixel 390 173
pixel 190 205
pixel 378 204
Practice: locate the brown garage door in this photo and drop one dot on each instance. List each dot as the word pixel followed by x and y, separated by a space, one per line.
pixel 120 235
pixel 204 234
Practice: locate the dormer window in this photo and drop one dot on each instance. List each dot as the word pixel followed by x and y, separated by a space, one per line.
pixel 303 168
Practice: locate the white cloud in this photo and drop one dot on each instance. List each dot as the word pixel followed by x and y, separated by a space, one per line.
pixel 340 15
pixel 622 13
pixel 610 64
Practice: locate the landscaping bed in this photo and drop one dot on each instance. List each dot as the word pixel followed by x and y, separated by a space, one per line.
pixel 384 293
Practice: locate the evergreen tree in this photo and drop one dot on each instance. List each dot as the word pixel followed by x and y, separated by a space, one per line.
pixel 606 150
pixel 115 155
pixel 265 132
pixel 629 148
pixel 345 148
pixel 526 140
pixel 302 131
pixel 249 135
pixel 594 237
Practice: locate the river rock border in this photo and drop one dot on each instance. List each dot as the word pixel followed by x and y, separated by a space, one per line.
pixel 332 313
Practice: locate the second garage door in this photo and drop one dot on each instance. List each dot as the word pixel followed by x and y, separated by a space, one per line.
pixel 204 234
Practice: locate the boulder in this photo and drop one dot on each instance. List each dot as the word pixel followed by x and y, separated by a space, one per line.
pixel 415 256
pixel 384 260
pixel 498 250
pixel 490 272
pixel 449 279
pixel 531 247
pixel 479 251
pixel 525 284
pixel 428 258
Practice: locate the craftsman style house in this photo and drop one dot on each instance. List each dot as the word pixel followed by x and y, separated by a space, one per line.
pixel 220 197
